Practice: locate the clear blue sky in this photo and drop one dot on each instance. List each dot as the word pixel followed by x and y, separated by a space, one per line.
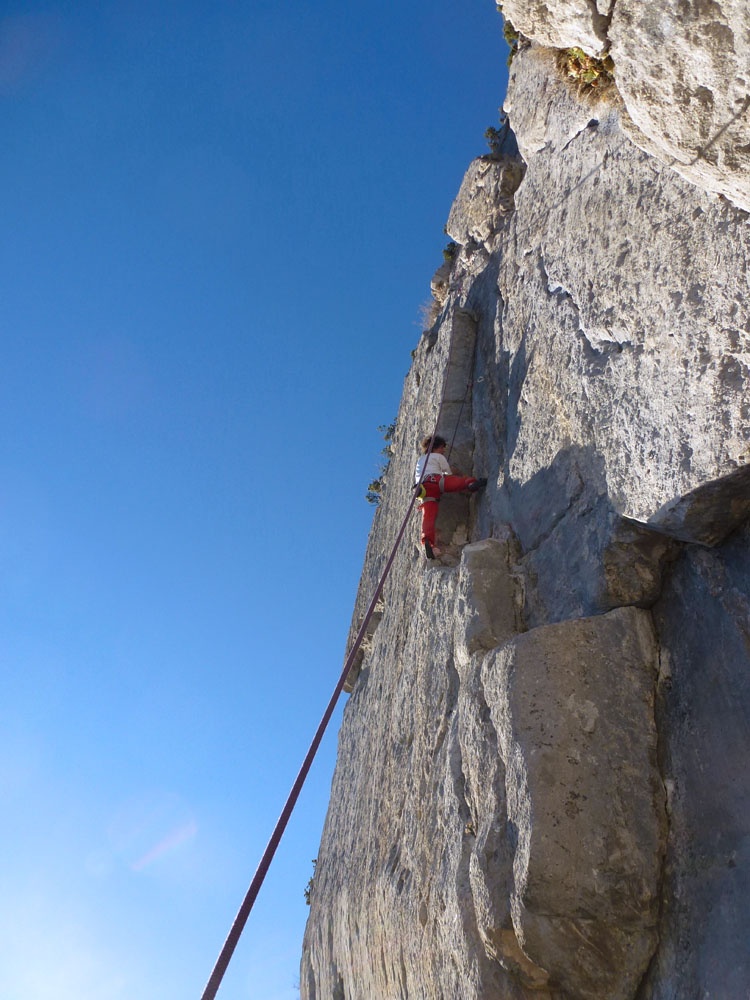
pixel 219 221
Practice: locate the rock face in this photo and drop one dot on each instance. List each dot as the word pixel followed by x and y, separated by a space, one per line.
pixel 486 196
pixel 572 706
pixel 704 718
pixel 542 787
pixel 682 68
pixel 561 24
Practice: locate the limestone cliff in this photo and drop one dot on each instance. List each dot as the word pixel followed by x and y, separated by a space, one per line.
pixel 542 787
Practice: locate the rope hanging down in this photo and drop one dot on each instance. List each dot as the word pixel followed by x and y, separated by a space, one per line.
pixel 243 913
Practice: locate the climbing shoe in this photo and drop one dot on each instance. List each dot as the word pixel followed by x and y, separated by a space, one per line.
pixel 478 485
pixel 428 550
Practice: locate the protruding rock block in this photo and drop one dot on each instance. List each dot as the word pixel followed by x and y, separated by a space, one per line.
pixel 485 197
pixel 561 24
pixel 593 560
pixel 487 612
pixel 440 281
pixel 708 513
pixel 365 646
pixel 573 707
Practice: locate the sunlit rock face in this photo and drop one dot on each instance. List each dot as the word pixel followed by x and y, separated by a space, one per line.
pixel 542 787
pixel 561 24
pixel 631 337
pixel 682 69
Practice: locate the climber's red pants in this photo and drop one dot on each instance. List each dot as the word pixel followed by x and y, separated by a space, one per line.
pixel 429 506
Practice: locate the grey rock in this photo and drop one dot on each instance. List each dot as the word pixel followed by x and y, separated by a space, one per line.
pixel 419 841
pixel 581 556
pixel 561 24
pixel 365 646
pixel 703 623
pixel 440 280
pixel 635 347
pixel 683 71
pixel 592 561
pixel 573 707
pixel 488 607
pixel 486 195
pixel 708 513
pixel 391 911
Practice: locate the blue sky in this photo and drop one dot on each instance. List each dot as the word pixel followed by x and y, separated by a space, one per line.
pixel 220 220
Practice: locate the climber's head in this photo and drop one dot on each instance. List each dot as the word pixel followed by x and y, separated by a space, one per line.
pixel 437 443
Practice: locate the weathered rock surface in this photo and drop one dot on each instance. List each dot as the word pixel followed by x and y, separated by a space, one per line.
pixel 624 315
pixel 703 621
pixel 572 705
pixel 681 68
pixel 485 197
pixel 560 24
pixel 465 803
pixel 542 789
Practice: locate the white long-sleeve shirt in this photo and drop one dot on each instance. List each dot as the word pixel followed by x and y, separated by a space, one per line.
pixel 437 465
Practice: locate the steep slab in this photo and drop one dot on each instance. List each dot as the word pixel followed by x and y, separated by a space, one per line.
pixel 624 324
pixel 682 70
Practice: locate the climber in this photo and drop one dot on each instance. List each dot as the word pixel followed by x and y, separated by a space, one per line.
pixel 438 479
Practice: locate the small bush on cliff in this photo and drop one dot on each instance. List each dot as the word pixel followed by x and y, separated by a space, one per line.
pixel 449 251
pixel 309 886
pixel 428 314
pixel 589 72
pixel 375 489
pixel 510 35
pixel 374 492
pixel 497 137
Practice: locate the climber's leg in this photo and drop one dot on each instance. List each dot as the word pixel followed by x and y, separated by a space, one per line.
pixel 454 484
pixel 429 514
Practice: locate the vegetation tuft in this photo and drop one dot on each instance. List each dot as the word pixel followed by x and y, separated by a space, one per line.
pixel 511 36
pixel 492 135
pixel 428 314
pixel 597 74
pixel 309 886
pixel 375 489
pixel 449 251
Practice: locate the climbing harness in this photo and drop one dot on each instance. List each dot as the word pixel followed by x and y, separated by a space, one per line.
pixel 243 913
pixel 437 480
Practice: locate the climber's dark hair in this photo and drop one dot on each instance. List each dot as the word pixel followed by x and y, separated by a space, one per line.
pixel 438 442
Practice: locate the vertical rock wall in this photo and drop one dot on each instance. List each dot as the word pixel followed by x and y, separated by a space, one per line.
pixel 541 788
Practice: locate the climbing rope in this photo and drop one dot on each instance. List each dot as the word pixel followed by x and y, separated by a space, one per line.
pixel 243 913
